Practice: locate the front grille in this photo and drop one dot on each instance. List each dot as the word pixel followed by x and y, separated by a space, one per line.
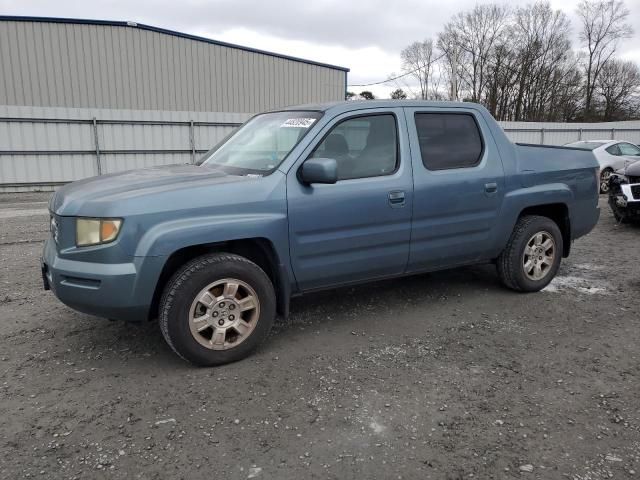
pixel 635 190
pixel 633 179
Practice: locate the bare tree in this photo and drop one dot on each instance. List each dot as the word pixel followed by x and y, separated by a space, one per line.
pixel 417 60
pixel 448 44
pixel 503 75
pixel 519 63
pixel 618 86
pixel 603 25
pixel 470 38
pixel 567 99
pixel 542 35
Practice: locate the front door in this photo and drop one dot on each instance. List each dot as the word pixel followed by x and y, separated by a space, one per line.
pixel 358 228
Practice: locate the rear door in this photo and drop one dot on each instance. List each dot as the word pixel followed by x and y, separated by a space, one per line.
pixel 459 187
pixel 358 228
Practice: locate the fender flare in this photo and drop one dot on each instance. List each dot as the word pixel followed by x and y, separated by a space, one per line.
pixel 167 238
pixel 516 201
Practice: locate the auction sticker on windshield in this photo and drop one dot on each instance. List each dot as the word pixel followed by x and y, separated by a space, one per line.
pixel 299 122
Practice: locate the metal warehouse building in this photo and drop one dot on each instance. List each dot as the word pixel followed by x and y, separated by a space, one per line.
pixel 86 97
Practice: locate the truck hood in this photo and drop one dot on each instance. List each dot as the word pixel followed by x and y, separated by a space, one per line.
pixel 90 196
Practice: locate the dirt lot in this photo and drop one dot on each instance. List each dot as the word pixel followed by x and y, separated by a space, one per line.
pixel 443 376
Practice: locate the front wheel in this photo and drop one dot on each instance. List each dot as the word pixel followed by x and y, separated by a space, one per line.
pixel 532 256
pixel 217 309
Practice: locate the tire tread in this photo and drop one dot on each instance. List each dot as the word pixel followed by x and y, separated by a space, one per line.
pixel 182 275
pixel 509 259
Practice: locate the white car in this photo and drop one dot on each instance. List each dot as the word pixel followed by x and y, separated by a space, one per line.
pixel 611 155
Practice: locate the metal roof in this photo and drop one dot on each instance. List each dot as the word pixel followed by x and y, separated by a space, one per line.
pixel 151 28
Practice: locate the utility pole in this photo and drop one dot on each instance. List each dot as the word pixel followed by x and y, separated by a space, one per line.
pixel 454 73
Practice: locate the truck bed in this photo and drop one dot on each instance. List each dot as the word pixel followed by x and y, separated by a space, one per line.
pixel 547 158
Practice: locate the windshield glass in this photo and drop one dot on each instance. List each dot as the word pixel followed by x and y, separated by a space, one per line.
pixel 261 144
pixel 585 145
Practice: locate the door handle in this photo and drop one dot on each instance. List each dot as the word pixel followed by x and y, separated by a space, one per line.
pixel 396 199
pixel 491 187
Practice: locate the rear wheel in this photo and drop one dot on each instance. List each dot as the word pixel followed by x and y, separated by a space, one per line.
pixel 217 309
pixel 532 256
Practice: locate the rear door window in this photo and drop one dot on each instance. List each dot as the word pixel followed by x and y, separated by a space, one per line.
pixel 448 140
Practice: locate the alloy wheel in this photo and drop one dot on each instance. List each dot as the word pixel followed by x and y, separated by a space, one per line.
pixel 224 313
pixel 538 256
pixel 604 181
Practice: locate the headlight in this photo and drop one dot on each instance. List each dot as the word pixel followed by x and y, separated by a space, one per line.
pixel 94 231
pixel 53 226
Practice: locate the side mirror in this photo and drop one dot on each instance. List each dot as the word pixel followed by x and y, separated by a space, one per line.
pixel 319 170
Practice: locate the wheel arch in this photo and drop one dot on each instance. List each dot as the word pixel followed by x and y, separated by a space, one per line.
pixel 559 213
pixel 259 250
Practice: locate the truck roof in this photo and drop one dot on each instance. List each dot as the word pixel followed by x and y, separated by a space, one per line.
pixel 348 105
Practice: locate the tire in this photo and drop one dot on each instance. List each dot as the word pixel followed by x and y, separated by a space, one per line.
pixel 619 216
pixel 200 302
pixel 511 263
pixel 604 179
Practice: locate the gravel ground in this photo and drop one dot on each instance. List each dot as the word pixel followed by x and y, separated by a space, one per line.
pixel 443 376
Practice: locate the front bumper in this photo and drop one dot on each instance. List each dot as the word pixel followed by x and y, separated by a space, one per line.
pixel 118 291
pixel 625 201
pixel 630 210
pixel 631 192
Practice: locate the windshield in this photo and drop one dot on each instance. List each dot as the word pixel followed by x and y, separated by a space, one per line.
pixel 261 144
pixel 585 145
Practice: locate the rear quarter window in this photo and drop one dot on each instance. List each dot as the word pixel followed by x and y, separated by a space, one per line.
pixel 448 140
pixel 613 150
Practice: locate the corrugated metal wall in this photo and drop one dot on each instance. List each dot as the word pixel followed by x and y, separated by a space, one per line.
pixel 549 133
pixel 83 65
pixel 58 145
pixel 79 98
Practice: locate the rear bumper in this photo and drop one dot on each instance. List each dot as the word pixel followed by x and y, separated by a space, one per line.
pixel 118 291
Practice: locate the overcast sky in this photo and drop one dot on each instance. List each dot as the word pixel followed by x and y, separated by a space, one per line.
pixel 365 36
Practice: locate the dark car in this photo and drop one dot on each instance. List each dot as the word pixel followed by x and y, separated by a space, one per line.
pixel 624 193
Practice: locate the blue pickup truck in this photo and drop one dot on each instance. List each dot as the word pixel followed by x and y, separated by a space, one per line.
pixel 308 198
